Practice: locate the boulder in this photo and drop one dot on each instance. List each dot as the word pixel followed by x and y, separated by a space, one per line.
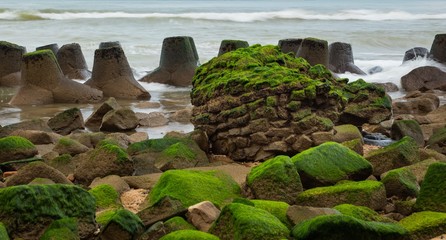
pixel 35 124
pixel 181 116
pixel 67 121
pixel 247 222
pixel 35 170
pixel 66 145
pixel 72 62
pixel 290 45
pixel 276 179
pixel 53 47
pixel 120 224
pixel 202 215
pixel 64 228
pixel 163 209
pixel 36 136
pixel 16 148
pixel 11 59
pixel 120 139
pixel 431 197
pixel 423 79
pixel 40 205
pixel 341 59
pixel 424 225
pixel 399 154
pixel 297 214
pixel 95 119
pixel 400 182
pixel 368 193
pixel 106 197
pixel 346 132
pixel 388 86
pixel 178 62
pixel 437 140
pixel 113 180
pixel 152 119
pixel 375 69
pixel 315 51
pixel 416 103
pixel 160 229
pixel 63 163
pixel 276 208
pixel 113 76
pixel 45 83
pixel 415 53
pixel 121 119
pixel 189 234
pixel 438 48
pixel 231 45
pixel 330 163
pixel 361 213
pixel 89 139
pixel 411 128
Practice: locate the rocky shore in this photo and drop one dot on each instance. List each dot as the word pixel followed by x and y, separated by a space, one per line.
pixel 282 148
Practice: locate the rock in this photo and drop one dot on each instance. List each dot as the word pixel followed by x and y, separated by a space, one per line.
pixel 178 62
pixel 376 69
pixel 62 228
pixel 409 128
pixel 11 58
pixel 414 53
pixel 438 48
pixel 416 103
pixel 290 45
pixel 161 210
pixel 277 208
pixel 152 119
pixel 371 194
pixel 246 222
pixel 388 86
pixel 95 119
pixel 330 163
pixel 121 119
pixel 436 141
pixel 36 136
pixel 39 205
pixel 53 47
pixel 424 225
pixel 181 116
pixel 113 180
pixel 113 76
pixel 107 159
pixel 276 179
pixel 45 83
pixel 67 121
pixel 120 224
pixel 191 187
pixel 35 170
pixel 138 137
pixel 16 148
pixel 160 229
pixel 72 62
pixel 189 234
pixel 361 213
pixel 89 139
pixel 346 132
pixel 35 124
pixel 341 59
pixel 63 163
pixel 106 197
pixel 431 197
pixel 399 154
pixel 145 164
pixel 298 214
pixel 423 79
pixel 69 146
pixel 325 227
pixel 400 182
pixel 315 51
pixel 202 215
pixel 231 45
pixel 120 139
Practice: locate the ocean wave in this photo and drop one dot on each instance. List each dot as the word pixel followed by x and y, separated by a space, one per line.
pixel 291 14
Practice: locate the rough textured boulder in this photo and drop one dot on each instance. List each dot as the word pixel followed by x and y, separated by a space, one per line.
pixel 165 208
pixel 178 62
pixel 240 221
pixel 121 119
pixel 202 215
pixel 120 224
pixel 371 194
pixel 160 229
pixel 95 119
pixel 290 45
pixel 315 51
pixel 409 128
pixel 276 179
pixel 424 79
pixel 416 102
pixel 35 124
pixel 424 225
pixel 64 228
pixel 45 83
pixel 431 197
pixel 341 59
pixel 72 62
pixel 36 136
pixel 39 205
pixel 438 48
pixel 66 145
pixel 113 76
pixel 298 214
pixel 11 59
pixel 361 213
pixel 231 45
pixel 330 163
pixel 110 44
pixel 189 234
pixel 35 170
pixel 67 121
pixel 414 53
pixel 255 103
pixel 400 182
pixel 152 119
pixel 437 140
pixel 16 148
pixel 113 180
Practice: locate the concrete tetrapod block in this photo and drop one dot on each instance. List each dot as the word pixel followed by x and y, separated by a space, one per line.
pixel 341 59
pixel 45 83
pixel 103 45
pixel 11 59
pixel 231 45
pixel 314 50
pixel 72 62
pixel 54 47
pixel 178 62
pixel 438 49
pixel 113 76
pixel 290 45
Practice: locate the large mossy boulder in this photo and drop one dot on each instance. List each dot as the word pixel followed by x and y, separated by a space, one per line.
pixel 240 221
pixel 120 224
pixel 361 213
pixel 432 193
pixel 400 182
pixel 33 170
pixel 39 205
pixel 189 235
pixel 330 163
pixel 341 227
pixel 371 194
pixel 106 196
pixel 276 179
pixel 424 225
pixel 16 148
pixel 252 102
pixel 192 186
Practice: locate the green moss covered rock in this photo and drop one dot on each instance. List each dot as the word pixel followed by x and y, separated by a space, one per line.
pixel 67 121
pixel 3 232
pixel 276 208
pixel 189 235
pixel 62 229
pixel 432 193
pixel 66 145
pixel 178 223
pixel 400 182
pixel 437 140
pixel 34 170
pixel 120 224
pixel 240 221
pixel 341 227
pixel 361 213
pixel 106 196
pixel 192 187
pixel 15 148
pixel 371 194
pixel 424 225
pixel 275 179
pixel 330 163
pixel 409 128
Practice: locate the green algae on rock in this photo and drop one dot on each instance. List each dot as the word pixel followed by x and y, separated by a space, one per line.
pixel 432 197
pixel 361 213
pixel 16 148
pixel 3 232
pixel 120 224
pixel 424 225
pixel 240 221
pixel 276 208
pixel 62 229
pixel 178 223
pixel 106 196
pixel 400 182
pixel 189 235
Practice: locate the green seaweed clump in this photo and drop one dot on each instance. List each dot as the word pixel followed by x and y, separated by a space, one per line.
pixel 189 235
pixel 424 225
pixel 62 229
pixel 106 196
pixel 432 193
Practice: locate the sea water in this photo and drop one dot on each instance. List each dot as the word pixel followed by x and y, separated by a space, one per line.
pixel 379 31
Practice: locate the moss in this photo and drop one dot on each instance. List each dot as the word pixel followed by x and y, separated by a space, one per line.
pixel 294 105
pixel 178 223
pixel 234 112
pixel 66 141
pixel 342 227
pixel 189 235
pixel 329 163
pixel 432 197
pixel 243 201
pixel 64 158
pixel 276 208
pixel 361 213
pixel 12 143
pixel 179 149
pixel 106 196
pixel 271 101
pixel 5 44
pixel 103 217
pixel 240 221
pixel 404 180
pixel 191 187
pixel 127 220
pixel 3 232
pixel 63 229
pixel 438 136
pixel 121 154
pixel 424 225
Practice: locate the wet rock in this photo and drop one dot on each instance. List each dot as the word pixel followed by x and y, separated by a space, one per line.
pixel 121 119
pixel 36 136
pixel 67 121
pixel 95 119
pixel 72 62
pixel 423 79
pixel 376 69
pixel 341 59
pixel 122 224
pixel 409 128
pixel 34 170
pixel 163 209
pixel 315 51
pixel 231 45
pixel 152 119
pixel 414 53
pixel 388 86
pixel 416 103
pixel 438 48
pixel 113 180
pixel 11 59
pixel 110 44
pixel 182 116
pixel 290 45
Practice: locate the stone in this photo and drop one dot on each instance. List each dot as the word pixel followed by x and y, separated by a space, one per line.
pixel 423 79
pixel 315 51
pixel 436 141
pixel 144 164
pixel 411 128
pixel 16 148
pixel 415 53
pixel 152 119
pixel 88 139
pixel 53 47
pixel 161 210
pixel 67 121
pixel 231 45
pixel 376 69
pixel 44 83
pixel 297 214
pixel 416 103
pixel 11 58
pixel 178 62
pixel 35 124
pixel 113 76
pixel 431 197
pixel 400 182
pixel 346 132
pixel 181 116
pixel 341 59
pixel 66 145
pixel 361 213
pixel 424 225
pixel 388 86
pixel 113 180
pixel 35 170
pixel 122 224
pixel 121 119
pixel 63 163
pixel 138 137
pixel 202 215
pixel 189 234
pixel 95 119
pixel 106 197
pixel 120 139
pixel 290 45
pixel 36 136
pixel 438 48
pixel 72 62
